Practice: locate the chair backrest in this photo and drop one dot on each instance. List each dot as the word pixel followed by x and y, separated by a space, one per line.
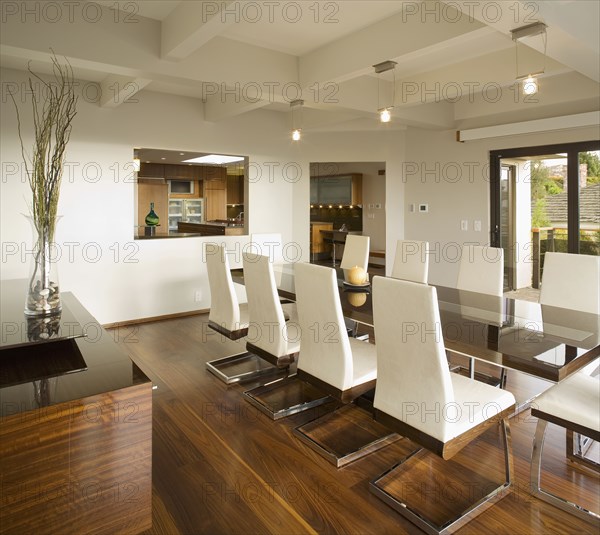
pixel 267 329
pixel 413 378
pixel 481 269
pixel 224 305
pixel 356 252
pixel 571 281
pixel 411 262
pixel 269 245
pixel 325 350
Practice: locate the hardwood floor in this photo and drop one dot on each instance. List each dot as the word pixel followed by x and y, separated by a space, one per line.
pixel 221 466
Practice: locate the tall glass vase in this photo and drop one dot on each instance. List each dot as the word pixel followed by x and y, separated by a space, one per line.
pixel 43 293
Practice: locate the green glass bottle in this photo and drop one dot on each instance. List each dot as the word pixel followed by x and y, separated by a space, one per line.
pixel 151 218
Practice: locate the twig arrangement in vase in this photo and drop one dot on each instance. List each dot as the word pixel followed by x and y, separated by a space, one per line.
pixel 52 121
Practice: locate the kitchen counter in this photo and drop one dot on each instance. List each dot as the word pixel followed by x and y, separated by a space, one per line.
pixel 171 234
pixel 212 228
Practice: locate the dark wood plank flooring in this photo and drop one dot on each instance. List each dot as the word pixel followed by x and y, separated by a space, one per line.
pixel 221 466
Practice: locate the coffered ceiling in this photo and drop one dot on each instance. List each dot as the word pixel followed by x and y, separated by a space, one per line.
pixel 455 68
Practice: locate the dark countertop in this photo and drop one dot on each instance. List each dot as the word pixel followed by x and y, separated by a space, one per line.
pixel 37 372
pixel 171 234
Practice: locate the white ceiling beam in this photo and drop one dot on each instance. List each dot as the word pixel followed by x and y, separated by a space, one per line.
pixel 218 106
pixel 192 24
pixel 491 74
pixel 572 31
pixel 530 127
pixel 115 89
pixel 389 39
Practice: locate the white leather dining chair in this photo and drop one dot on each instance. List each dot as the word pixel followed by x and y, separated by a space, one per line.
pixel 418 397
pixel 228 317
pixel 573 404
pixel 571 281
pixel 481 270
pixel 341 366
pixel 356 253
pixel 269 245
pixel 269 335
pixel 411 261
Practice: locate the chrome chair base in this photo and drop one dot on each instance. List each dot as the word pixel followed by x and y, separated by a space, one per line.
pixel 548 497
pixel 465 516
pixel 239 368
pixel 352 443
pixel 286 396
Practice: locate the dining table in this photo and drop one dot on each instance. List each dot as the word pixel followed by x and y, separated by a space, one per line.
pixel 546 342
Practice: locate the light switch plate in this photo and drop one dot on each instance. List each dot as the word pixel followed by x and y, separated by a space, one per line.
pixel 464 225
pixel 477 225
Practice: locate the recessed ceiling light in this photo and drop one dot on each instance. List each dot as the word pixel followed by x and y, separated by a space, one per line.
pixel 181 153
pixel 163 158
pixel 215 159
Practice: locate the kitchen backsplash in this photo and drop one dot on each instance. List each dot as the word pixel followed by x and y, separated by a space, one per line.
pixel 352 217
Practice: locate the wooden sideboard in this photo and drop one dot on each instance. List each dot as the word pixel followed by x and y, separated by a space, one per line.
pixel 75 426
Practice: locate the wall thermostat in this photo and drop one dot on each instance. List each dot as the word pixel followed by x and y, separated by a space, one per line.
pixel 423 208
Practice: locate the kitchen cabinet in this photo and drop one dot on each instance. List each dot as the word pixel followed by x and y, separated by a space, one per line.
pixel 215 178
pixel 235 189
pixel 318 247
pixel 336 189
pixel 156 193
pixel 216 204
pixel 151 170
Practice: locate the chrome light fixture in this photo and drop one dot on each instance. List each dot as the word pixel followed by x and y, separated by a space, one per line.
pixel 296 130
pixel 385 114
pixel 530 83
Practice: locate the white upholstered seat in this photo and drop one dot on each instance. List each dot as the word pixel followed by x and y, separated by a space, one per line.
pixel 269 336
pixel 328 354
pixel 226 314
pixel 481 270
pixel 228 318
pixel 417 396
pixel 573 404
pixel 356 253
pixel 343 367
pixel 411 261
pixel 269 245
pixel 571 281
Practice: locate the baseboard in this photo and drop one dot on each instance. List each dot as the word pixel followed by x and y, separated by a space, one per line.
pixel 152 319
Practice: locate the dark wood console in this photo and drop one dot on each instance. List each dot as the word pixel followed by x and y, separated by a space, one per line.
pixel 75 425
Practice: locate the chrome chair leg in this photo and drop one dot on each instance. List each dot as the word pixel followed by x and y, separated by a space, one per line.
pixel 464 517
pixel 548 497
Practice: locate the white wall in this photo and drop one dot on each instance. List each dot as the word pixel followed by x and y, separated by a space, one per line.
pixel 119 279
pixel 97 199
pixel 453 178
pixel 384 146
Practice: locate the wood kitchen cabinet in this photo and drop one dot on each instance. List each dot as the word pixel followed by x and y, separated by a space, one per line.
pixel 215 178
pixel 235 189
pixel 152 170
pixel 216 204
pixel 318 247
pixel 336 189
pixel 157 192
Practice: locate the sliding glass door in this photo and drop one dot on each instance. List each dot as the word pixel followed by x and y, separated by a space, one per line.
pixel 544 199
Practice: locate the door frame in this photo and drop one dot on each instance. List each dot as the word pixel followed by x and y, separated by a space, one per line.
pixel 572 150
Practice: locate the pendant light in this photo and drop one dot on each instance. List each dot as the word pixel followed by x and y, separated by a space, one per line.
pixel 530 83
pixel 296 122
pixel 385 114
